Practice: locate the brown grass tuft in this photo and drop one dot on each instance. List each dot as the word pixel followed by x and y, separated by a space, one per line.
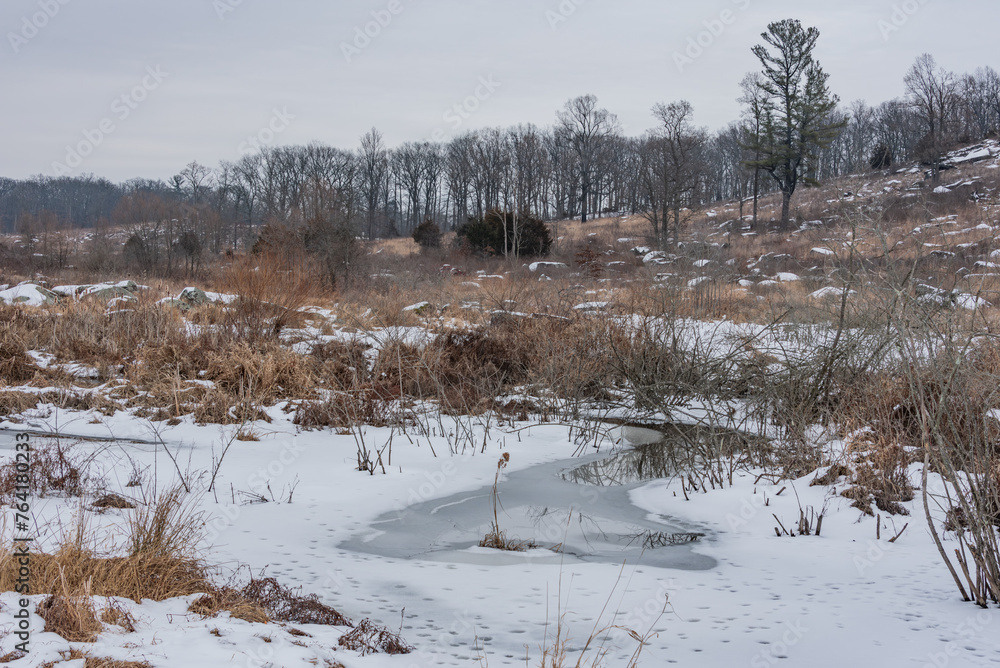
pixel 116 615
pixel 16 366
pixel 167 528
pixel 113 501
pixel 71 617
pixel 135 578
pixel 265 599
pixel 369 638
pixel 231 601
pixel 96 662
pixel 13 403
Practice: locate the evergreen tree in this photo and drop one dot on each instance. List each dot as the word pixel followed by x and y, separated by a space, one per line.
pixel 799 116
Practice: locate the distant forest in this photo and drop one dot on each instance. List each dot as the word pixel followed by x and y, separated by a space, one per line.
pixel 581 166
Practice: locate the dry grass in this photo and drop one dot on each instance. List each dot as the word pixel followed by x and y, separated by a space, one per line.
pixel 495 540
pixel 136 578
pixel 160 562
pixel 97 662
pixel 271 289
pixel 404 246
pixel 369 638
pixel 16 367
pixel 265 599
pixel 169 527
pixel 344 410
pixel 231 601
pixel 90 661
pixel 265 373
pixel 116 614
pixel 56 469
pixel 13 403
pixel 71 617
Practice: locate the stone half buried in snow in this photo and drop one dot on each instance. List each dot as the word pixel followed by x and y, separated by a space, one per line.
pixel 788 277
pixel 970 302
pixel 191 297
pixel 655 257
pixel 28 294
pixel 975 153
pixel 99 290
pixel 106 293
pixel 830 293
pixel 592 306
pixel 422 308
pixel 823 251
pixel 941 254
pixel 928 294
pixel 548 266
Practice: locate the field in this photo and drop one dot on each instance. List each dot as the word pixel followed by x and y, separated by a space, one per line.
pixel 759 446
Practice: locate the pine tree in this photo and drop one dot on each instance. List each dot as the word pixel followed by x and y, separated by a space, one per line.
pixel 799 106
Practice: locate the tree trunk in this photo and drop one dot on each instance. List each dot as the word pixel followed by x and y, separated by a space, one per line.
pixel 786 198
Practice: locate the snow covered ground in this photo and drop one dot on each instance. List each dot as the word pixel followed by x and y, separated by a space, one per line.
pixel 752 598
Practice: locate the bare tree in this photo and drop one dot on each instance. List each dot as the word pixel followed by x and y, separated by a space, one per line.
pixel 933 93
pixel 373 176
pixel 587 129
pixel 459 167
pixel 672 168
pixel 197 181
pixel 756 120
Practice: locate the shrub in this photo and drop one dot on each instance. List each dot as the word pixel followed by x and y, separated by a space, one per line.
pixel 427 235
pixel 332 240
pixel 276 239
pixel 505 233
pixel 881 157
pixel 590 262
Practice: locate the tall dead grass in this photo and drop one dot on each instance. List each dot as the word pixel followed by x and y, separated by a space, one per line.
pixel 270 289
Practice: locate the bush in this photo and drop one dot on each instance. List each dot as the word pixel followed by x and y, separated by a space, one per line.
pixel 427 235
pixel 332 240
pixel 278 240
pixel 881 157
pixel 520 235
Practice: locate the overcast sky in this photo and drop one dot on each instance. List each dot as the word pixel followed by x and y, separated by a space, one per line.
pixel 124 88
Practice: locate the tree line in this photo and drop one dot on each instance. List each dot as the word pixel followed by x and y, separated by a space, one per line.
pixel 793 131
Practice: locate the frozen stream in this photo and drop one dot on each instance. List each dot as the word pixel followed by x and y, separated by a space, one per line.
pixel 564 519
